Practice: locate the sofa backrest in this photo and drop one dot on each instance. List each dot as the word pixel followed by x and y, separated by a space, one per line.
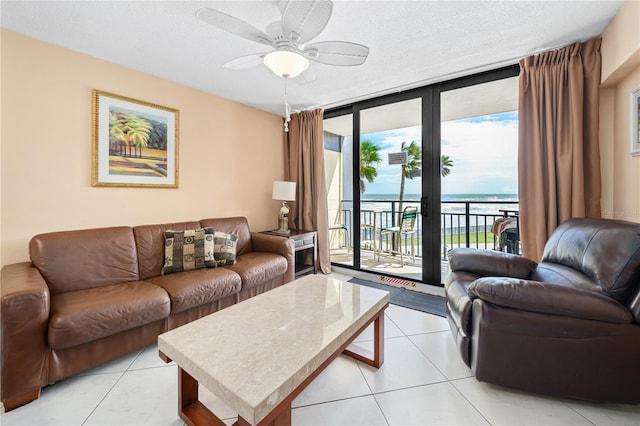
pixel 76 260
pixel 607 251
pixel 149 241
pixel 232 225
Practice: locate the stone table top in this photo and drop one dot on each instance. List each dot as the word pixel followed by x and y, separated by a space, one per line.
pixel 252 355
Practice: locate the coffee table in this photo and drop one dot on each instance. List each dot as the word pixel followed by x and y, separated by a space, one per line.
pixel 258 355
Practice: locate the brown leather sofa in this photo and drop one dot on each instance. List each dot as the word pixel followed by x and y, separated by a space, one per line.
pixel 566 327
pixel 89 296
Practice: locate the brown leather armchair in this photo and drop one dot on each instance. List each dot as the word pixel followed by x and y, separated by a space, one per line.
pixel 567 327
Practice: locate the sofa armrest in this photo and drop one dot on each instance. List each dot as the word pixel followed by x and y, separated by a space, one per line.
pixel 25 307
pixel 278 245
pixel 490 263
pixel 547 298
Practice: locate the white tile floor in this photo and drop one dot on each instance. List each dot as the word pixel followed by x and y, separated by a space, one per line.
pixel 422 382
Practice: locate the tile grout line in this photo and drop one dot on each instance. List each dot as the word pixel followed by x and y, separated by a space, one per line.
pixel 578 413
pixel 468 401
pixel 427 356
pixel 103 398
pixel 112 387
pixel 371 390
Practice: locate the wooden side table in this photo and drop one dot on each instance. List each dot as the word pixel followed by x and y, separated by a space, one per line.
pixel 305 244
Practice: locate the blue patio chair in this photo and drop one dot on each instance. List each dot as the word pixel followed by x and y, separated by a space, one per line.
pixel 399 234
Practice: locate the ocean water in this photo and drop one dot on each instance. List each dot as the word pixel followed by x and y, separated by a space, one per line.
pixel 451 203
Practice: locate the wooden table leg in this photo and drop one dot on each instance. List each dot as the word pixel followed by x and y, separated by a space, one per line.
pixel 375 359
pixel 192 411
pixel 282 418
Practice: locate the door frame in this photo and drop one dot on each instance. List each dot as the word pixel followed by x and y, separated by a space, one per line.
pixel 430 206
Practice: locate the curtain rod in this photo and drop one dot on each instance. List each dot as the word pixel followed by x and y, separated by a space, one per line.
pixel 438 79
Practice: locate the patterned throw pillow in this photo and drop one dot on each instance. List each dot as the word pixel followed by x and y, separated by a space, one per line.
pixel 224 249
pixel 188 250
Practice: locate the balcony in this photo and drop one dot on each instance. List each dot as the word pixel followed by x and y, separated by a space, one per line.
pixel 462 224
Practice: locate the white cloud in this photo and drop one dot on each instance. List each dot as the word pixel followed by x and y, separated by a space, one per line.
pixel 484 154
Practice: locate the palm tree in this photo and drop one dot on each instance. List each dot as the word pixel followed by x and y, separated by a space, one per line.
pixel 369 159
pixel 128 130
pixel 446 164
pixel 414 163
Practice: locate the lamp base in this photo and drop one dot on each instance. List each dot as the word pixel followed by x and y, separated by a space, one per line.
pixel 283 219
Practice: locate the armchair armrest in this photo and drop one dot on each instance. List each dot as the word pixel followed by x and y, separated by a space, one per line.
pixel 490 263
pixel 547 298
pixel 278 245
pixel 23 326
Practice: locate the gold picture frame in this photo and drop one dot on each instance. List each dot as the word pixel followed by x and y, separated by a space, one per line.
pixel 135 143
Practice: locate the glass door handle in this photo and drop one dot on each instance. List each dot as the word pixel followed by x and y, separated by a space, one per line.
pixel 424 204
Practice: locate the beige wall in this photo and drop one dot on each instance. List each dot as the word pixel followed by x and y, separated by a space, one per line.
pixel 229 153
pixel 333 177
pixel 620 75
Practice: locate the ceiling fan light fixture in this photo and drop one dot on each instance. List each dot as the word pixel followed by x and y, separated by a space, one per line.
pixel 286 64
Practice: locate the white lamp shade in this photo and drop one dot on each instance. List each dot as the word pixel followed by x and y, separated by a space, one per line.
pixel 284 191
pixel 285 64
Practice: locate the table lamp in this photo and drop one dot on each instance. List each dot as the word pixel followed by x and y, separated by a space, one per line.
pixel 284 191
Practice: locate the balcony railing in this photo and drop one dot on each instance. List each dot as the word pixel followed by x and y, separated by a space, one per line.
pixel 462 223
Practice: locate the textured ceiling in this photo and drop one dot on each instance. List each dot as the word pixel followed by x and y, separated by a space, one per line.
pixel 411 43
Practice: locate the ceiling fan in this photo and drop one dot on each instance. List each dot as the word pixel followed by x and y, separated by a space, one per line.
pixel 302 21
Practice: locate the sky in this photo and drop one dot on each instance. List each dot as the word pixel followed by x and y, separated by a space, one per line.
pixel 484 151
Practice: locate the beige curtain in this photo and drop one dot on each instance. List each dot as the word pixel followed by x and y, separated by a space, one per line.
pixel 559 157
pixel 304 164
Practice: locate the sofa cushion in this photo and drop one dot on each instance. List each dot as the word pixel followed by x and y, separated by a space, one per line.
pixel 563 275
pixel 150 244
pixel 224 248
pixel 188 250
pixel 233 225
pixel 606 251
pixel 259 267
pixel 195 288
pixel 76 260
pixel 85 315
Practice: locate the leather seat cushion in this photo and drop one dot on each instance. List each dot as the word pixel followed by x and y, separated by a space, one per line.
pixel 150 245
pixel 259 267
pixel 563 275
pixel 85 315
pixel 606 251
pixel 233 225
pixel 83 259
pixel 195 288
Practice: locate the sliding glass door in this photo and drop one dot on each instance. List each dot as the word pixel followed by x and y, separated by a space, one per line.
pixel 390 189
pixel 479 165
pixel 399 167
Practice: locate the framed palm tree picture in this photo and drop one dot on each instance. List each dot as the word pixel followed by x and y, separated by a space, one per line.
pixel 135 143
pixel 635 122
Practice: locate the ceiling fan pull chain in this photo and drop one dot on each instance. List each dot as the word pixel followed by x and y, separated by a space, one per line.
pixel 287 108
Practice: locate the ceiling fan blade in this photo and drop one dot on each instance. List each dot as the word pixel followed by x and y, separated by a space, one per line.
pixel 233 25
pixel 302 20
pixel 340 53
pixel 244 62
